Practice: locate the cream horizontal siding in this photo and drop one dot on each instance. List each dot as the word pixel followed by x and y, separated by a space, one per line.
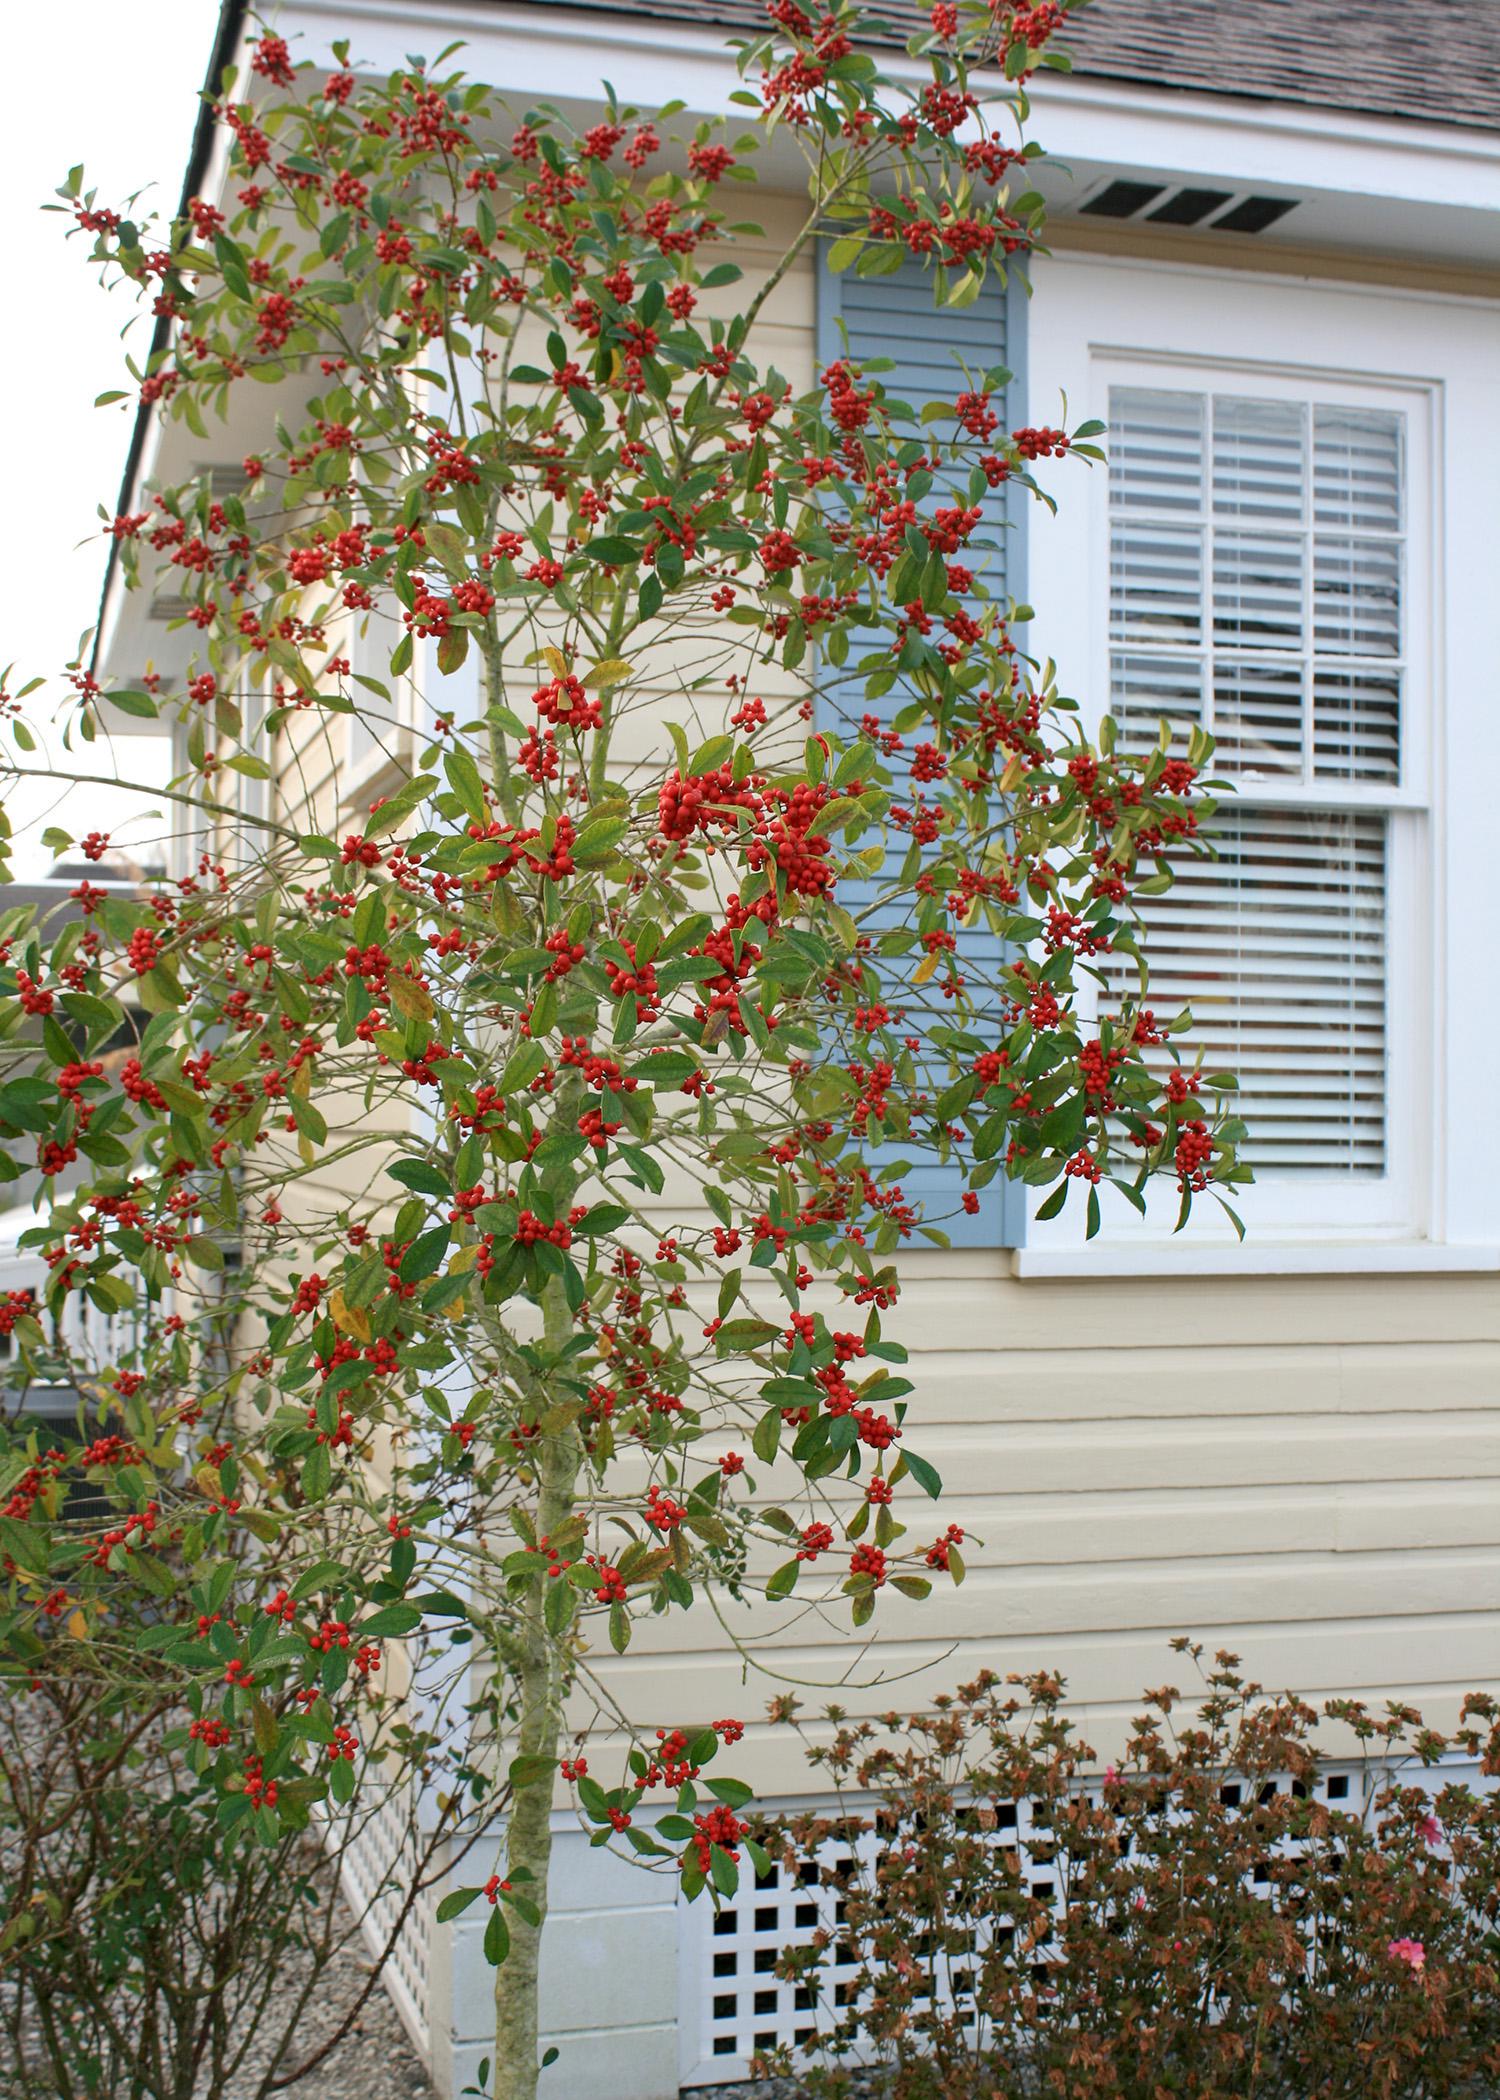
pixel 1302 1470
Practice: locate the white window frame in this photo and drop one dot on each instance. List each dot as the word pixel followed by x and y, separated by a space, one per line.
pixel 1392 1201
pixel 1100 321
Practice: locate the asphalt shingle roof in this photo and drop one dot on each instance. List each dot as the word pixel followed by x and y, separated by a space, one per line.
pixel 1433 61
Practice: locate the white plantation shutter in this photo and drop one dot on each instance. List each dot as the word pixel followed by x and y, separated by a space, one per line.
pixel 1279 948
pixel 1257 558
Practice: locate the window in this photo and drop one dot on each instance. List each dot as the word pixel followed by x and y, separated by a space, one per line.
pixel 1259 586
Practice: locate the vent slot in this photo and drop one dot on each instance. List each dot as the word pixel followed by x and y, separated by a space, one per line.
pixel 1190 207
pixel 1123 200
pixel 1254 214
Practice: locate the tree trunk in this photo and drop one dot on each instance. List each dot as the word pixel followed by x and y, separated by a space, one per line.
pixel 542 1686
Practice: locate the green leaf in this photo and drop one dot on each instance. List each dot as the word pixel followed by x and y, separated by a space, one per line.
pixel 745 1334
pixel 496 1938
pixel 390 1622
pixel 455 1903
pixel 522 1066
pixel 463 778
pixel 417 1174
pixel 424 1257
pixel 130 702
pixel 399 806
pixel 231 260
pixel 452 650
pixel 926 1476
pixel 599 839
pixel 527 1770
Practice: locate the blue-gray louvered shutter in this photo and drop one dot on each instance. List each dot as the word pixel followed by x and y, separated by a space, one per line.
pixel 894 317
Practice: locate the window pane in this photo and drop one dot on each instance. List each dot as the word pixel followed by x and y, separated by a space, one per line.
pixel 1279 947
pixel 1359 469
pixel 1144 688
pixel 1258 590
pixel 1259 449
pixel 1357 726
pixel 1357 596
pixel 1155 449
pixel 1156 584
pixel 1258 717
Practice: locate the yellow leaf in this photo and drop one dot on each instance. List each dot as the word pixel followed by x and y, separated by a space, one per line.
pixel 410 998
pixel 926 968
pixel 351 1318
pixel 1014 774
pixel 612 671
pixel 263 1722
pixel 557 660
pixel 78 1626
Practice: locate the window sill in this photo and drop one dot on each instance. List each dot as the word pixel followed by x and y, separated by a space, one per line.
pixel 1185 1257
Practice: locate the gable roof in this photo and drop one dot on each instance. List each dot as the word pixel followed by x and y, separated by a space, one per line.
pixel 1433 61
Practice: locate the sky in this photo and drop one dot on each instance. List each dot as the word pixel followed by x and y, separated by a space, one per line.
pixel 124 103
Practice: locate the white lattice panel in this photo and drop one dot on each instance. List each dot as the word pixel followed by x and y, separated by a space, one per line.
pixel 734 2006
pixel 378 1866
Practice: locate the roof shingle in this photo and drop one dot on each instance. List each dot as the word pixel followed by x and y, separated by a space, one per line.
pixel 1433 61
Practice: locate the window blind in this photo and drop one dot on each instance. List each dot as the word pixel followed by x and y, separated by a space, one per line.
pixel 1256 589
pixel 1279 948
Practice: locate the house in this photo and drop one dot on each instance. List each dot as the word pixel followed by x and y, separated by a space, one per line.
pixel 1275 273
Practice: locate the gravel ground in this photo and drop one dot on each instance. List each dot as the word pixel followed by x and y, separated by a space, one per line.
pixel 375 2061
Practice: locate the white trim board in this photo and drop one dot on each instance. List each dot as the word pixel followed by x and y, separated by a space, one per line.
pixel 1086 309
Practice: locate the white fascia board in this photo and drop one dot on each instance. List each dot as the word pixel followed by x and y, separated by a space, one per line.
pixel 1284 146
pixel 555 51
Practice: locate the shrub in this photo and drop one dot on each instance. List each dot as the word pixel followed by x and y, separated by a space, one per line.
pixel 1206 1917
pixel 160 1937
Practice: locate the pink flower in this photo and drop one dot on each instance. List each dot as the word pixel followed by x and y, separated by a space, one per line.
pixel 1430 1830
pixel 1412 1952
